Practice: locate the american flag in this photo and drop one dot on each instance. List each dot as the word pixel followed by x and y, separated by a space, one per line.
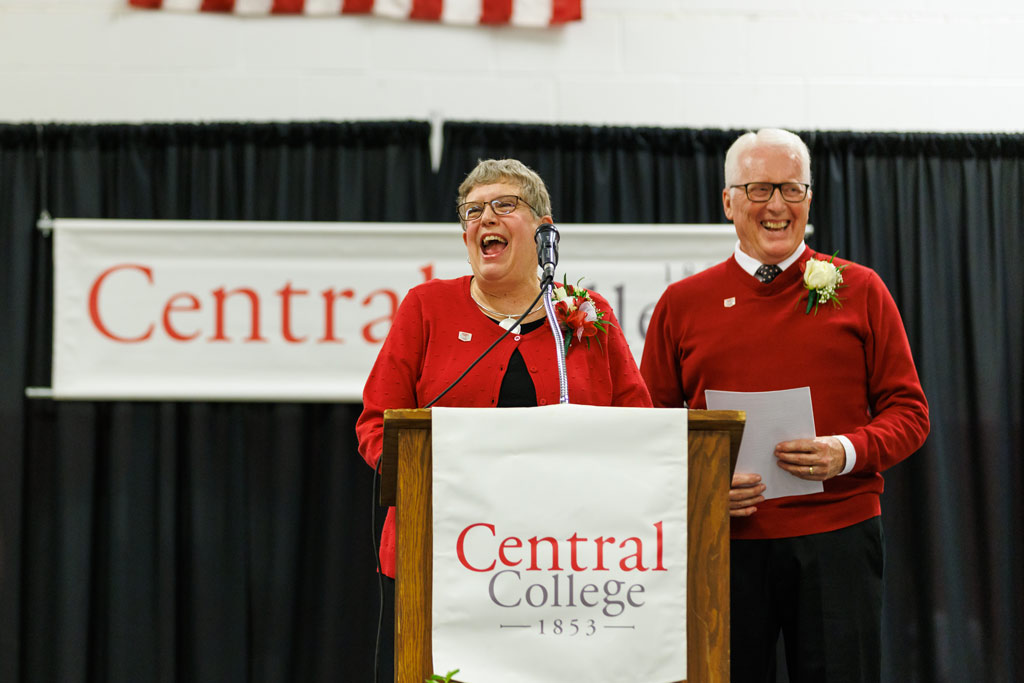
pixel 534 13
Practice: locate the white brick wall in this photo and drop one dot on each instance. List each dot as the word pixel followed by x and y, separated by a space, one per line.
pixel 945 65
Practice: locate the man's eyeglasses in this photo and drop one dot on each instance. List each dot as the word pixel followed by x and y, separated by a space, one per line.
pixel 762 192
pixel 502 206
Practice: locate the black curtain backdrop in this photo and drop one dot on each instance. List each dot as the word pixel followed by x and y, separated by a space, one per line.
pixel 192 542
pixel 199 542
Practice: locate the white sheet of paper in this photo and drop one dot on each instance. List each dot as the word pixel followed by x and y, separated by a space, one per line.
pixel 772 417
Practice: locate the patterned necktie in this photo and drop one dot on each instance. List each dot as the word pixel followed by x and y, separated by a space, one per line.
pixel 767 273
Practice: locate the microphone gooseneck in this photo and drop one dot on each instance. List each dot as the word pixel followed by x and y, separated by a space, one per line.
pixel 546 237
pixel 556 331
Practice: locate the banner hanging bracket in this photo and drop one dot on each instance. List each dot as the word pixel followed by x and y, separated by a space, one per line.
pixel 45 223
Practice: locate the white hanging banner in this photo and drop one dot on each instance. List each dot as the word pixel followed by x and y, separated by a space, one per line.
pixel 560 544
pixel 209 310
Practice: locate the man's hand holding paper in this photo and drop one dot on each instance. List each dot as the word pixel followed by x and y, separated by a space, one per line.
pixel 817 459
pixel 779 454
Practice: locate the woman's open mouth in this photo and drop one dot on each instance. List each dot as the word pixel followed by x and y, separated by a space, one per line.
pixel 492 245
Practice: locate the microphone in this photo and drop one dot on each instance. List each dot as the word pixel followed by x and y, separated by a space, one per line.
pixel 546 237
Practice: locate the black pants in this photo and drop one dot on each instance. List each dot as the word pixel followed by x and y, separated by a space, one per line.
pixel 823 592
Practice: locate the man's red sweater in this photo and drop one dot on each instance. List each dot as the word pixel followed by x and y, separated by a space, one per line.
pixel 723 329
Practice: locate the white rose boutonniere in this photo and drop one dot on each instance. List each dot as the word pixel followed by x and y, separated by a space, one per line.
pixel 822 278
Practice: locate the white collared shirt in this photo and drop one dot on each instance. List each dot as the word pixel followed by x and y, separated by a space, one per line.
pixel 751 264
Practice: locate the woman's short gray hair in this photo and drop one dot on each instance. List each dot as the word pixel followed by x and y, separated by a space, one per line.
pixel 766 137
pixel 513 172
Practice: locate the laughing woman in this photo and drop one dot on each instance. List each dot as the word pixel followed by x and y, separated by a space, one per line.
pixel 443 325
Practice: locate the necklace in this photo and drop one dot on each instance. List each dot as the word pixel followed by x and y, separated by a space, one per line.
pixel 509 320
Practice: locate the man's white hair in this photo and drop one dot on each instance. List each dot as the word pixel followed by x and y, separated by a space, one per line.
pixel 766 137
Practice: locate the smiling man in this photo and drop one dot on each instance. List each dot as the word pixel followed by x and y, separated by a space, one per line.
pixel 778 315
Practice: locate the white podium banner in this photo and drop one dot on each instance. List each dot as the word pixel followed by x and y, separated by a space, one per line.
pixel 560 544
pixel 210 310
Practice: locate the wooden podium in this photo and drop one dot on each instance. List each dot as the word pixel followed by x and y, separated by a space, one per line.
pixel 714 441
